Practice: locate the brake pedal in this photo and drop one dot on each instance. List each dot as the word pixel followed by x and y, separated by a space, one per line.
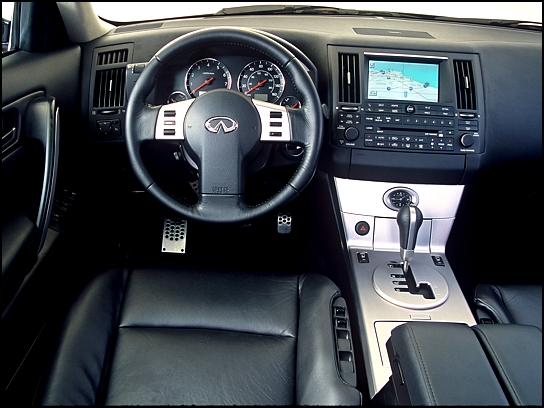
pixel 174 236
pixel 284 223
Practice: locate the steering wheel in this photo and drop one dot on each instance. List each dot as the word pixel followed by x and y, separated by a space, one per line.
pixel 224 130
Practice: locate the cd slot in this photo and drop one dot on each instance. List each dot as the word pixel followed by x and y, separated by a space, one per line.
pixel 414 131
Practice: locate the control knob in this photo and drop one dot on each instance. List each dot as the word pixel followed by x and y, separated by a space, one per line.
pixel 351 134
pixel 467 140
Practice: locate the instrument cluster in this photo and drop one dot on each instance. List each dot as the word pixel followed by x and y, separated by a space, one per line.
pixel 258 78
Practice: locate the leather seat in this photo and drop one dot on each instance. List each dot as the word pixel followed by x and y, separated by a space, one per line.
pixel 514 304
pixel 171 337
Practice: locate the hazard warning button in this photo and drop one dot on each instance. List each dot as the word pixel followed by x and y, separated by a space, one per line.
pixel 362 228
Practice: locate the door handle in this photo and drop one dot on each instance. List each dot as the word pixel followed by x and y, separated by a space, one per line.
pixel 9 139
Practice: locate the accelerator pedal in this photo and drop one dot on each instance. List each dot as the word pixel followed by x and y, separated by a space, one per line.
pixel 284 223
pixel 174 235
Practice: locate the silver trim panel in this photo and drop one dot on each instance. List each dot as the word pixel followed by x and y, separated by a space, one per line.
pixel 281 125
pixel 385 287
pixel 373 310
pixel 365 198
pixel 172 124
pixel 363 201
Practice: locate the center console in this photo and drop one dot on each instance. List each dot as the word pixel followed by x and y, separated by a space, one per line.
pixel 385 296
pixel 413 126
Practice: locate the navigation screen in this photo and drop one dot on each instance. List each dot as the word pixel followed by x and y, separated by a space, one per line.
pixel 402 81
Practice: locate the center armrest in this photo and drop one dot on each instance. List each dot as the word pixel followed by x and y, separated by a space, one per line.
pixel 515 352
pixel 441 364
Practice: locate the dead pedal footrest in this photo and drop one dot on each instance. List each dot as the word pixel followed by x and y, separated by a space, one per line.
pixel 174 236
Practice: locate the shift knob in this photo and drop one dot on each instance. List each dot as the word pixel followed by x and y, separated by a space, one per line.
pixel 409 219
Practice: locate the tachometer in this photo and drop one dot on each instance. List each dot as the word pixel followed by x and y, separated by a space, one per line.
pixel 262 80
pixel 205 75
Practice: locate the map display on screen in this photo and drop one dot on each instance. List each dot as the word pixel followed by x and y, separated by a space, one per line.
pixel 402 81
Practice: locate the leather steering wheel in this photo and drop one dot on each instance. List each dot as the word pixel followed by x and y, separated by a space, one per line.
pixel 223 130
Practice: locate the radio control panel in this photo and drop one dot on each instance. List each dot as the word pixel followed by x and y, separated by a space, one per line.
pixel 408 127
pixel 384 99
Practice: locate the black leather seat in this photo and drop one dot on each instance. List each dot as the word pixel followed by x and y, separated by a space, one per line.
pixel 514 304
pixel 170 337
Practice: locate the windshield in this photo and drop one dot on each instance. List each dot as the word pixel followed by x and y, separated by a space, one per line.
pixel 141 11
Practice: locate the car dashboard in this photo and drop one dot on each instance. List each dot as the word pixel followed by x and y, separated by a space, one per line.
pixel 415 113
pixel 445 116
pixel 472 77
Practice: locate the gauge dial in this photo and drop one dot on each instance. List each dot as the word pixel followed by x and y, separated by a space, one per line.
pixel 262 80
pixel 176 96
pixel 398 197
pixel 205 75
pixel 291 101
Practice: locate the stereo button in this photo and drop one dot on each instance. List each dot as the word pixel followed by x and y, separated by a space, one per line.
pixel 467 140
pixel 351 134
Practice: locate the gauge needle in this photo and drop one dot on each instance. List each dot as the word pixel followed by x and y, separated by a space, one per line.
pixel 206 82
pixel 256 86
pixel 295 105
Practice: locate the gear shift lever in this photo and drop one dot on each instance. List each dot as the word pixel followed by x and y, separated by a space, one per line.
pixel 409 219
pixel 420 279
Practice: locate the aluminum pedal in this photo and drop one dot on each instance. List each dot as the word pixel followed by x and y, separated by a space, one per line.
pixel 174 236
pixel 284 223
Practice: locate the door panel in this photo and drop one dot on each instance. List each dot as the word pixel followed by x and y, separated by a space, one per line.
pixel 40 82
pixel 34 86
pixel 29 165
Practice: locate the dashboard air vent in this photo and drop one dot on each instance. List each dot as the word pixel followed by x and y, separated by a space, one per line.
pixel 112 57
pixel 464 85
pixel 109 88
pixel 349 89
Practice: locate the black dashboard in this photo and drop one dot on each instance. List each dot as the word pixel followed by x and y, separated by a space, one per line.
pixel 480 106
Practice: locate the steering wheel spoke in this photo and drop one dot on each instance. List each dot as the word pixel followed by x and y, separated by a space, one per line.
pixel 221 171
pixel 275 125
pixel 170 120
pixel 231 206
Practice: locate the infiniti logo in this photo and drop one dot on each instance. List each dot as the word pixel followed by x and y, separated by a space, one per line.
pixel 221 122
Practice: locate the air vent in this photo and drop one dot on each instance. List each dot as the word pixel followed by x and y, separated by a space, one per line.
pixel 112 57
pixel 109 88
pixel 349 88
pixel 464 85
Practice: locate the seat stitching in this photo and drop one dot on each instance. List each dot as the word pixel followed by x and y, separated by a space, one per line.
pixel 491 350
pixel 422 363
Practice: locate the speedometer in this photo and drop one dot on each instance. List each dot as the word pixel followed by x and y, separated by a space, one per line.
pixel 262 80
pixel 205 75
